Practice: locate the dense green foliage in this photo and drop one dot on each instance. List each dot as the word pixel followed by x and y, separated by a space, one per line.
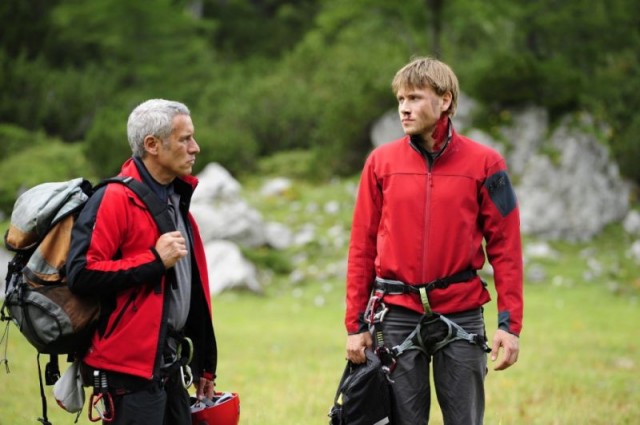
pixel 263 77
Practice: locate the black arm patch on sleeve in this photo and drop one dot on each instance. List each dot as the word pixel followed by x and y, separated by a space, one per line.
pixel 501 192
pixel 504 319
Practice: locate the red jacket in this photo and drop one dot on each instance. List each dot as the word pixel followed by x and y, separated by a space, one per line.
pixel 113 256
pixel 416 222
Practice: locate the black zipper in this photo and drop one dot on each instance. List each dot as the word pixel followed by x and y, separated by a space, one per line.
pixel 130 301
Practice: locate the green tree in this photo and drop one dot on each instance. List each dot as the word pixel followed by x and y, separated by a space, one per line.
pixel 152 49
pixel 326 92
pixel 267 28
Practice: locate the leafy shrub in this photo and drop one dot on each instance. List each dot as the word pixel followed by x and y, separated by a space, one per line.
pixel 14 139
pixel 106 145
pixel 53 161
pixel 232 146
pixel 59 101
pixel 518 78
pixel 627 151
pixel 293 164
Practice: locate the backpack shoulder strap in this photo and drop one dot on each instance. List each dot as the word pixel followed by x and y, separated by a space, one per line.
pixel 158 209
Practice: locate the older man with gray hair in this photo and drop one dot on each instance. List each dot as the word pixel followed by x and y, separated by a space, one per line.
pixel 153 288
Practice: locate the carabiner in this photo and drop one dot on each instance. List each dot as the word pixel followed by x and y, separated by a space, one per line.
pixel 373 314
pixel 101 394
pixel 105 414
pixel 187 376
pixel 186 341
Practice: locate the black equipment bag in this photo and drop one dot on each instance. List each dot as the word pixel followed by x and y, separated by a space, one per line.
pixel 363 396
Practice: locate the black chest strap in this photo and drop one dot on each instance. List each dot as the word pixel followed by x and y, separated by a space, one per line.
pixel 397 287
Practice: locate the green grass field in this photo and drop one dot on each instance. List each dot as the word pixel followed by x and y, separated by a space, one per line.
pixel 283 352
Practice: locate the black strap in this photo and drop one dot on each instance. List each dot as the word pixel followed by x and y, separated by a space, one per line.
pixel 397 287
pixel 158 209
pixel 44 419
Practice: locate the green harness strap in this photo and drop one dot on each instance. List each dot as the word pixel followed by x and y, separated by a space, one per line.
pixel 425 301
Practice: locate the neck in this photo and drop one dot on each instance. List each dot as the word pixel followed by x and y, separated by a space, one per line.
pixel 156 172
pixel 427 142
pixel 437 138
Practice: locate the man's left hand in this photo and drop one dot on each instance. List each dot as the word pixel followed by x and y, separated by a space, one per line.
pixel 204 388
pixel 511 347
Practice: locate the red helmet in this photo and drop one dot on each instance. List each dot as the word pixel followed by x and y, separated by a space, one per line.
pixel 222 409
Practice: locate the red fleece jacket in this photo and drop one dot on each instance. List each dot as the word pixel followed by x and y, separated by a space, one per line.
pixel 416 222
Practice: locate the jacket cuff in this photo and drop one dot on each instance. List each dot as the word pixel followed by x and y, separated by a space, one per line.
pixel 360 326
pixel 504 323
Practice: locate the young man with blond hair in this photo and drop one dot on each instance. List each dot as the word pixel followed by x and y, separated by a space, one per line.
pixel 426 204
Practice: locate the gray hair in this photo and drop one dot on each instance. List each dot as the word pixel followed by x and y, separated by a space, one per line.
pixel 153 117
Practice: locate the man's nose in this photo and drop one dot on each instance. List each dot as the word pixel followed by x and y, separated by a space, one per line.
pixel 194 147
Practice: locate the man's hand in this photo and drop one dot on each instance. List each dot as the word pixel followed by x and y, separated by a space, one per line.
pixel 511 346
pixel 204 388
pixel 356 344
pixel 171 247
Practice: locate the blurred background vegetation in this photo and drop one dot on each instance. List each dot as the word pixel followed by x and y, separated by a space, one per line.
pixel 269 76
pixel 292 87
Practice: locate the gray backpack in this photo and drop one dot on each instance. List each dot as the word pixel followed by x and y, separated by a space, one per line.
pixel 37 299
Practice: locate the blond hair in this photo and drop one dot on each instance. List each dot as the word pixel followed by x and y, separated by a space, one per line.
pixel 425 72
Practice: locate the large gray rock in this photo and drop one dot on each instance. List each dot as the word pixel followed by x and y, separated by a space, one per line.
pixel 216 183
pixel 572 190
pixel 226 221
pixel 386 129
pixel 220 211
pixel 229 269
pixel 232 220
pixel 524 137
pixel 223 214
pixel 631 223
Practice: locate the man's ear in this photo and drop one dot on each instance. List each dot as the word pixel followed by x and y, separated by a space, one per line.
pixel 447 98
pixel 152 145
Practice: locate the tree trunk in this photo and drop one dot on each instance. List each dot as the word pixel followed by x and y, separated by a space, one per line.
pixel 435 26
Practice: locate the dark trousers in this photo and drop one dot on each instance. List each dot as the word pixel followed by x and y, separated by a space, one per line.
pixel 150 403
pixel 459 370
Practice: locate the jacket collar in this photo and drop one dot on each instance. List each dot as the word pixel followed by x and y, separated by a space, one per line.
pixel 416 143
pixel 184 186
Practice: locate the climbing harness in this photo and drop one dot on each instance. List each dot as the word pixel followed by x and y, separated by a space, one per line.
pixel 433 331
pixel 101 402
pixel 396 287
pixel 427 335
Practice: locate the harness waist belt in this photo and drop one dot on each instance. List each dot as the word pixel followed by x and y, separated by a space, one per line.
pixel 397 287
